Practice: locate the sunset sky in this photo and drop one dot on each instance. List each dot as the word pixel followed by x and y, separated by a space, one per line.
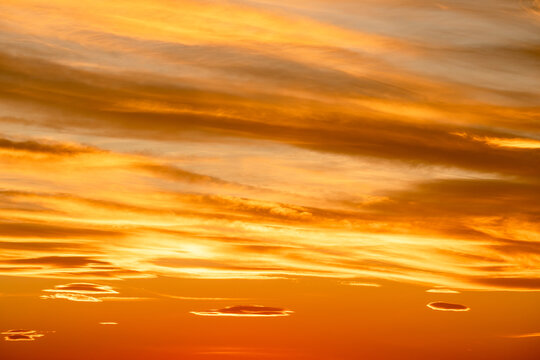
pixel 269 179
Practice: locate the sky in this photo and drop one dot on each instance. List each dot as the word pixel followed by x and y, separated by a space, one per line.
pixel 268 179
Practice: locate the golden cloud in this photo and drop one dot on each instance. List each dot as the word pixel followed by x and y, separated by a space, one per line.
pixel 358 283
pixel 83 288
pixel 255 149
pixel 83 292
pixel 71 297
pixel 442 291
pixel 246 311
pixel 21 335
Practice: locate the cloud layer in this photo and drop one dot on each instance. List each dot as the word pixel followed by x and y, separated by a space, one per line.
pixel 258 139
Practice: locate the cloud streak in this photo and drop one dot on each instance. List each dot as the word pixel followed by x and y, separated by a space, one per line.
pixel 525 336
pixel 442 291
pixel 357 283
pixel 245 311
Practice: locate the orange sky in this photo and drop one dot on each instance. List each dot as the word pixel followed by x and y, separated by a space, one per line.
pixel 265 179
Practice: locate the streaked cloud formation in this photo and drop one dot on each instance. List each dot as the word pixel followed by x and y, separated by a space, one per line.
pixel 258 139
pixel 246 311
pixel 21 335
pixel 444 306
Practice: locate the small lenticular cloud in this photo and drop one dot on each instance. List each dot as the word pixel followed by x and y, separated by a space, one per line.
pixel 84 292
pixel 357 283
pixel 21 335
pixel 83 288
pixel 443 306
pixel 245 311
pixel 108 323
pixel 442 291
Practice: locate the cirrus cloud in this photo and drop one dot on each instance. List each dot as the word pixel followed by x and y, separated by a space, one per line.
pixel 245 311
pixel 442 291
pixel 72 297
pixel 357 283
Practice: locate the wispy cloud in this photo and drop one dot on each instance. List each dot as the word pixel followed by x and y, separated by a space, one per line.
pixel 358 283
pixel 442 291
pixel 245 311
pixel 526 335
pixel 83 292
pixel 204 298
pixel 71 297
pixel 48 147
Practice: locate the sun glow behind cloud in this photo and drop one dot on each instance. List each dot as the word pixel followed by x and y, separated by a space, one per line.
pixel 138 226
